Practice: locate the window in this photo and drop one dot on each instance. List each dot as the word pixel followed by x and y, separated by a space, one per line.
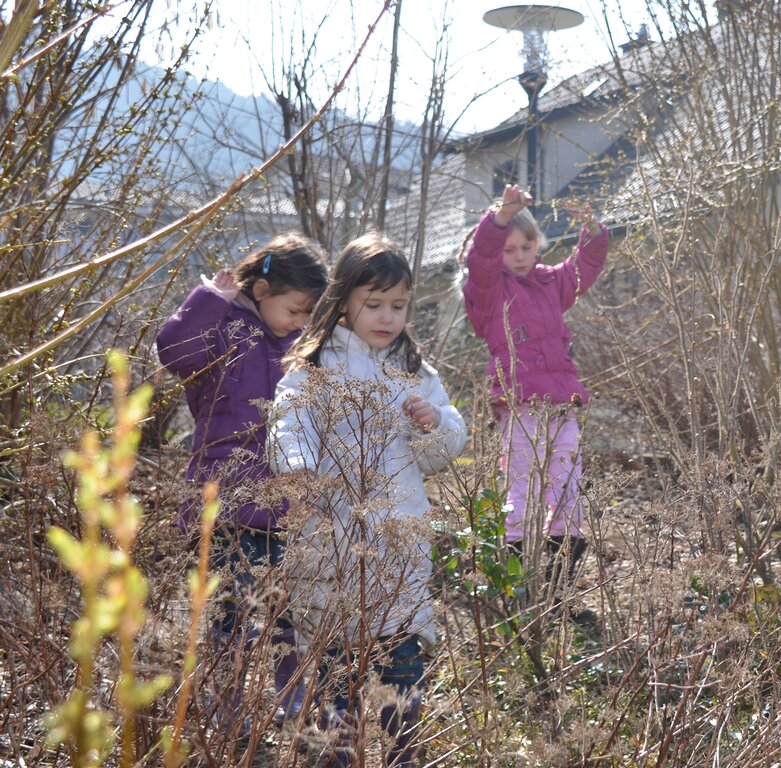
pixel 506 173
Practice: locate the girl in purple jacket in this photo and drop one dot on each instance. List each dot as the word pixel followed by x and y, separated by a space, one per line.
pixel 226 343
pixel 517 305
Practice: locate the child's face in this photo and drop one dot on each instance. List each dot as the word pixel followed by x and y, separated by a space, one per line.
pixel 286 312
pixel 520 253
pixel 377 317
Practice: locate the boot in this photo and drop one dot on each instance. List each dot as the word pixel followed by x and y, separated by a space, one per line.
pixel 290 695
pixel 576 548
pixel 401 725
pixel 337 724
pixel 560 572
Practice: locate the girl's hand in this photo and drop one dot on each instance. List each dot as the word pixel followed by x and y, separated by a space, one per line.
pixel 421 412
pixel 583 214
pixel 223 284
pixel 514 199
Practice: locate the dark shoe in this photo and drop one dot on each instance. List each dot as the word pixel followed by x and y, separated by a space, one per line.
pixel 287 717
pixel 585 618
pixel 337 724
pixel 402 726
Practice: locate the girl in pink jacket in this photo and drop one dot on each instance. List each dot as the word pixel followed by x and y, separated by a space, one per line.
pixel 517 305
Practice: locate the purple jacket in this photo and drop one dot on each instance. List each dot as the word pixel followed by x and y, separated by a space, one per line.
pixel 535 307
pixel 229 360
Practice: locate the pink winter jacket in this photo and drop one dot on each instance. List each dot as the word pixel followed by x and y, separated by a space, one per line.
pixel 536 361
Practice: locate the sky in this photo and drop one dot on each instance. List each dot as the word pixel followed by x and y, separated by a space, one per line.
pixel 249 42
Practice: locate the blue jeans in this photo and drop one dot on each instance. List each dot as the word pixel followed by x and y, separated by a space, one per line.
pixel 402 668
pixel 241 552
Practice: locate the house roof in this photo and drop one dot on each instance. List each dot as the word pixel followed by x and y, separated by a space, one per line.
pixel 718 124
pixel 445 216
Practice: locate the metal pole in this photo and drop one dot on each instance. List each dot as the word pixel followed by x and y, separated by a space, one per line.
pixel 532 83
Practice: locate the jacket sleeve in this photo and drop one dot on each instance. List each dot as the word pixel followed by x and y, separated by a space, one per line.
pixel 439 447
pixel 188 341
pixel 578 272
pixel 294 442
pixel 483 289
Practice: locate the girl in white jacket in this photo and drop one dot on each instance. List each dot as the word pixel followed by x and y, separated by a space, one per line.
pixel 361 418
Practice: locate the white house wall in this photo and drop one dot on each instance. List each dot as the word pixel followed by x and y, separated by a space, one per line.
pixel 571 144
pixel 568 145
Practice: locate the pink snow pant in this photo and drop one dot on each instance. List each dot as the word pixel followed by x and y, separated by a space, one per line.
pixel 543 467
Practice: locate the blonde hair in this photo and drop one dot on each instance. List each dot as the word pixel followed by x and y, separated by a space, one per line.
pixel 526 223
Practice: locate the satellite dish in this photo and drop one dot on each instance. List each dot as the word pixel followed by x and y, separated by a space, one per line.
pixel 545 18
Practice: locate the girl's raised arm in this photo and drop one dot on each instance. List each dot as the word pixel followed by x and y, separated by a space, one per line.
pixel 514 200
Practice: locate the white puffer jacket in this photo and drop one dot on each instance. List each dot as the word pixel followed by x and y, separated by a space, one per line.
pixel 361 562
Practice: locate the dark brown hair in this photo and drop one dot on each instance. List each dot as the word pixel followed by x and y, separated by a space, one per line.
pixel 287 262
pixel 374 260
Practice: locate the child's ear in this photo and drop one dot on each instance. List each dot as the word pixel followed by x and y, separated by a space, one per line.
pixel 261 289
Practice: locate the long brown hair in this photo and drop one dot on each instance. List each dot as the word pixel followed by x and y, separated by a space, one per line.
pixel 372 259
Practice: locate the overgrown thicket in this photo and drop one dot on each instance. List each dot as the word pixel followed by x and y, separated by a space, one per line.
pixel 681 339
pixel 693 346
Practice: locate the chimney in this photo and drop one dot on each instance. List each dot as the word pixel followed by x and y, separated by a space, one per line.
pixel 642 39
pixel 726 8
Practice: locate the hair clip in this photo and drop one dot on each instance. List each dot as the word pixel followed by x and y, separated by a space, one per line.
pixel 266 264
